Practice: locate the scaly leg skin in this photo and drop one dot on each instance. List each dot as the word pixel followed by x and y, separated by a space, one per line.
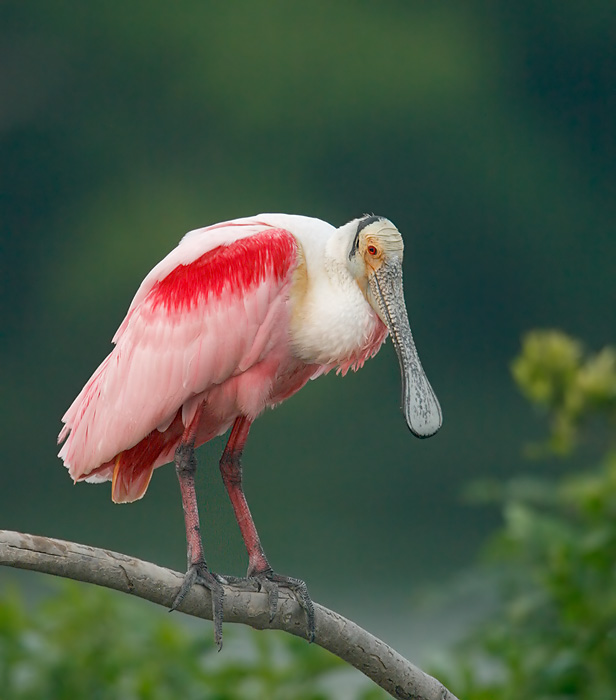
pixel 198 572
pixel 258 566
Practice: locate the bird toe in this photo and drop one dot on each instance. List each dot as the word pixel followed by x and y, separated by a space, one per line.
pixel 270 582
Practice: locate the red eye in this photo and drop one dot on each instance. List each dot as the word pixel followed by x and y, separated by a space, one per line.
pixel 372 250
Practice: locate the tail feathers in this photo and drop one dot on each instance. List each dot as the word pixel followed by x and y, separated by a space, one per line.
pixel 131 470
pixel 130 479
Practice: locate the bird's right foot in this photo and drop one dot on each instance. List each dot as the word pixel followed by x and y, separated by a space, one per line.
pixel 199 573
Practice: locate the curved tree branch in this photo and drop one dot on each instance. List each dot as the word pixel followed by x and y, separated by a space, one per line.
pixel 242 604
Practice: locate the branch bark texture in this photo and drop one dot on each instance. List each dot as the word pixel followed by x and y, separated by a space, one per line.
pixel 244 604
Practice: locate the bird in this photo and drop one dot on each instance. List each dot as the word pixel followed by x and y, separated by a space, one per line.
pixel 238 318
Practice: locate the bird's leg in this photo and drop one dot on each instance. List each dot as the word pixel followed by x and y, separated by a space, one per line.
pixel 258 565
pixel 197 572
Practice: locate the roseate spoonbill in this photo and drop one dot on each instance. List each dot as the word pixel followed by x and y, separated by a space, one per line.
pixel 238 318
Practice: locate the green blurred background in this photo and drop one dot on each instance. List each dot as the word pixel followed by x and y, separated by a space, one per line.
pixel 485 131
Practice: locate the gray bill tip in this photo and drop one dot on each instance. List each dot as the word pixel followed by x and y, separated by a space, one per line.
pixel 421 407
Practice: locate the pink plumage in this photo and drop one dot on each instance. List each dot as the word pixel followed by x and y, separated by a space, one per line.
pixel 212 328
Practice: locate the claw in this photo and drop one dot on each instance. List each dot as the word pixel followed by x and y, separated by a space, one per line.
pixel 199 573
pixel 271 589
pixel 270 583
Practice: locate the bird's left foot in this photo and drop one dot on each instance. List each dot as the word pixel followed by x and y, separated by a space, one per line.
pixel 270 582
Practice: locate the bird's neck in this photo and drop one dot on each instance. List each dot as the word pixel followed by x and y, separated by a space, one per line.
pixel 332 324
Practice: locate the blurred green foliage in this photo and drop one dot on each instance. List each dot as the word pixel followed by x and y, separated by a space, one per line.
pixel 86 642
pixel 553 372
pixel 553 633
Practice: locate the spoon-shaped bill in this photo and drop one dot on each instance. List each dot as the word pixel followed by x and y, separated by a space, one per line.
pixel 419 403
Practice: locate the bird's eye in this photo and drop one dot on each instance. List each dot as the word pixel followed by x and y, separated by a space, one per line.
pixel 372 250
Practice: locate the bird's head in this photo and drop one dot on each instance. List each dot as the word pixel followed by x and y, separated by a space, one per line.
pixel 375 261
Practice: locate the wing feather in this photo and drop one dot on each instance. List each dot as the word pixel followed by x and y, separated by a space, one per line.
pixel 209 311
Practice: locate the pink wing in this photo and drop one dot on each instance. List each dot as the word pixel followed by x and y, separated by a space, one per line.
pixel 215 308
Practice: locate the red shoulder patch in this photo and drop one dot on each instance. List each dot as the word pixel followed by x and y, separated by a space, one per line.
pixel 236 267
